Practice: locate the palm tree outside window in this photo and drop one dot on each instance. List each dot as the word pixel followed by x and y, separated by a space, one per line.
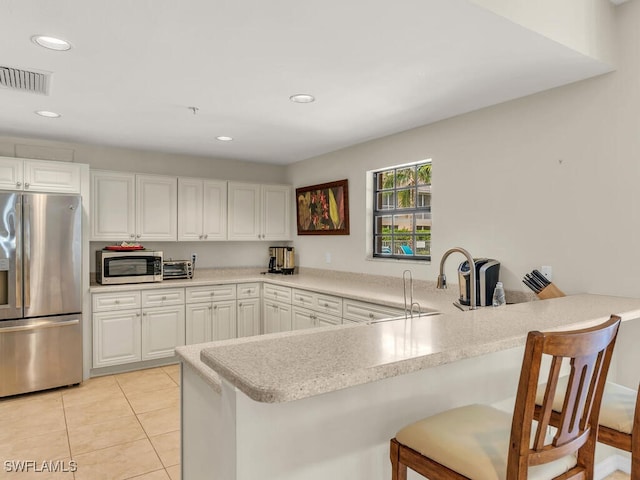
pixel 402 212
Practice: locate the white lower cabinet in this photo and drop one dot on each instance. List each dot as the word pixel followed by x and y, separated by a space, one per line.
pixel 116 337
pixel 133 326
pixel 214 319
pixel 277 316
pixel 224 320
pixel 303 318
pixel 248 312
pixel 248 317
pixel 162 331
pixel 276 308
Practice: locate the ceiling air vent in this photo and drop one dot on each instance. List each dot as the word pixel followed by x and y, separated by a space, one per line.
pixel 24 80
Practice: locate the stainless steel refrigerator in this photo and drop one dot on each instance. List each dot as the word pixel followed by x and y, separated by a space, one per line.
pixel 40 291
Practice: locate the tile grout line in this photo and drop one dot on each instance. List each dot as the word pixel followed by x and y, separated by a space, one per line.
pixel 143 429
pixel 66 428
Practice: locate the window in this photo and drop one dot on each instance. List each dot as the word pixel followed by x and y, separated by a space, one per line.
pixel 402 212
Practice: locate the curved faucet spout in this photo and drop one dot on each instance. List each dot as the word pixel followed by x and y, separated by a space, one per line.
pixel 442 279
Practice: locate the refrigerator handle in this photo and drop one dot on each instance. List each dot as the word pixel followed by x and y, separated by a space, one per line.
pixel 18 255
pixel 26 212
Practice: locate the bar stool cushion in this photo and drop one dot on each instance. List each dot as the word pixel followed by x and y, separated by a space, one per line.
pixel 474 441
pixel 617 408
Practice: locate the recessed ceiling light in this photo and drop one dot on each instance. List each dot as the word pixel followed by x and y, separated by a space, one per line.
pixel 302 98
pixel 51 43
pixel 48 114
pixel 224 138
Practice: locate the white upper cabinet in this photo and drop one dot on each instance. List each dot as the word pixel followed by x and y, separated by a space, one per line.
pixel 113 206
pixel 156 208
pixel 276 212
pixel 39 175
pixel 259 212
pixel 202 209
pixel 127 207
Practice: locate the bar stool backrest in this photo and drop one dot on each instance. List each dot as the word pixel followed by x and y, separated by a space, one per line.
pixel 588 352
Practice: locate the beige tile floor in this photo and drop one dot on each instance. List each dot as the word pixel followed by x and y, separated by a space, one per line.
pixel 124 426
pixel 117 427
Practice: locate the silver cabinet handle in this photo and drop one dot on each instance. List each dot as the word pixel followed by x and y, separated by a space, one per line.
pixel 117 302
pixel 138 236
pixel 132 235
pixel 206 236
pixel 164 297
pixel 18 184
pixel 137 314
pixel 27 185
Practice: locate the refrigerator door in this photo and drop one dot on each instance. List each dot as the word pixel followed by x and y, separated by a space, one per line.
pixel 52 254
pixel 10 256
pixel 40 353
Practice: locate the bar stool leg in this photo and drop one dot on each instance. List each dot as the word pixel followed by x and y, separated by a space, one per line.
pixel 398 470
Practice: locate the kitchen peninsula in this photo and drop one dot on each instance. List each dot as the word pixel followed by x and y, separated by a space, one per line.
pixel 323 403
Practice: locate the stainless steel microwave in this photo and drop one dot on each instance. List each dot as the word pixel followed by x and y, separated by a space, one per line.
pixel 118 267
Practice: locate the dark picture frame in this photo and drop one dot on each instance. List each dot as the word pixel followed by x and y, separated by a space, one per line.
pixel 323 209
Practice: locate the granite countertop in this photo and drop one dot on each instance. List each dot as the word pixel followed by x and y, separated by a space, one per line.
pixel 294 365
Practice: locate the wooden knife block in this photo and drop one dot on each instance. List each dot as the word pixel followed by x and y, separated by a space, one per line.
pixel 550 291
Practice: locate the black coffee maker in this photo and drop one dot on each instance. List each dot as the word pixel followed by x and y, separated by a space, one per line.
pixel 487 275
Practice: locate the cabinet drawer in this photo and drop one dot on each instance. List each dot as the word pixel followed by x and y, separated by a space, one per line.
pixel 248 290
pixel 303 298
pixel 277 293
pixel 211 293
pixel 328 304
pixel 162 297
pixel 365 312
pixel 317 302
pixel 106 302
pixel 325 319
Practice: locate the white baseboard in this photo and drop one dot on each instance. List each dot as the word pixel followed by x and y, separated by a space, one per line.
pixel 611 464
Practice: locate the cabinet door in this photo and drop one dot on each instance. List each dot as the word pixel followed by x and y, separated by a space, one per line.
pixel 248 317
pixel 156 207
pixel 302 318
pixel 190 209
pixel 112 206
pixel 163 329
pixel 11 173
pixel 214 218
pixel 199 327
pixel 116 337
pixel 224 320
pixel 276 212
pixel 47 176
pixel 244 211
pixel 277 317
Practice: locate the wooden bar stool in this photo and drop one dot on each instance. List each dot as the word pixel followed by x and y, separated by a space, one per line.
pixel 619 422
pixel 484 443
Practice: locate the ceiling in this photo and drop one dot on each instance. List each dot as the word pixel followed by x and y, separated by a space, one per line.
pixel 375 67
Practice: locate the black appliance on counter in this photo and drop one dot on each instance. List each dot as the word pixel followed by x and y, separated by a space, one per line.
pixel 281 260
pixel 487 275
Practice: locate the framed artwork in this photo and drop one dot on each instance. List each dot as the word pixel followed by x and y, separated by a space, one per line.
pixel 323 209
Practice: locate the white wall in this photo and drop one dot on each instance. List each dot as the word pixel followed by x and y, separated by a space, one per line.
pixel 550 179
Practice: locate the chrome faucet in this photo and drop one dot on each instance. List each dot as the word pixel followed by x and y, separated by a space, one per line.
pixel 442 278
